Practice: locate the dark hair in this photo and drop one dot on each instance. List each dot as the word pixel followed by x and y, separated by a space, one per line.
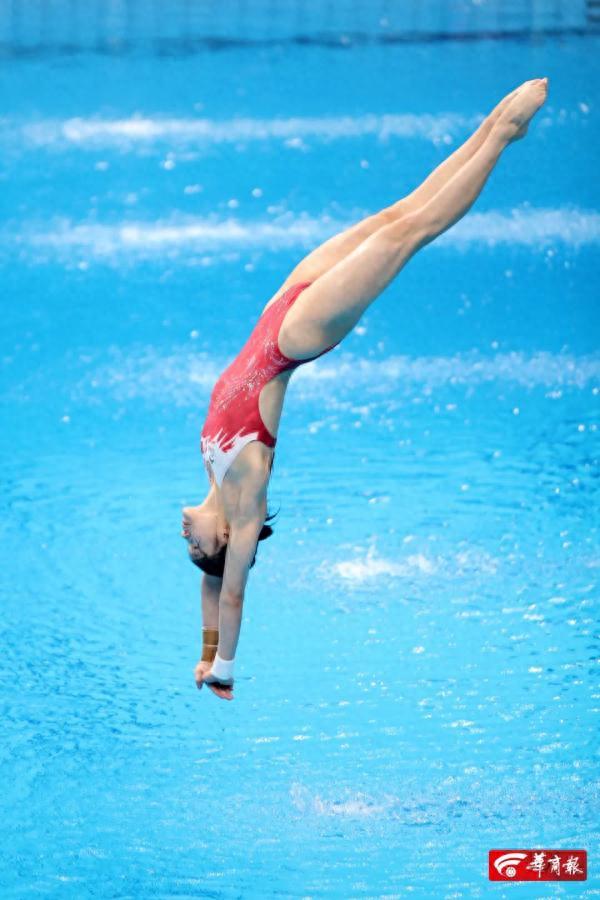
pixel 215 565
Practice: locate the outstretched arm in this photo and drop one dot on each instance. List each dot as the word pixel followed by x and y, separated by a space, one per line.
pixel 210 590
pixel 241 548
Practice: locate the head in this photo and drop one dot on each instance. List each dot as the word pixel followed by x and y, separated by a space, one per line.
pixel 207 538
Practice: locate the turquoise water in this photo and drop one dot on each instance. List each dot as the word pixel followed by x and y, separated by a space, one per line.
pixel 417 668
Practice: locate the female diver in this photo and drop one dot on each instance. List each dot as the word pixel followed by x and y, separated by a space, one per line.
pixel 316 307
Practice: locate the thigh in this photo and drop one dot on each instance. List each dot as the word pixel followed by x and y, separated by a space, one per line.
pixel 327 310
pixel 329 253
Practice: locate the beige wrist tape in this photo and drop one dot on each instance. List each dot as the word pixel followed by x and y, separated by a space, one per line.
pixel 210 642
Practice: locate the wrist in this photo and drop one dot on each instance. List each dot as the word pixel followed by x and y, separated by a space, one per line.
pixel 210 641
pixel 222 669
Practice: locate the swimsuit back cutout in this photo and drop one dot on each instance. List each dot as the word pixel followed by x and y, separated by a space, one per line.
pixel 234 418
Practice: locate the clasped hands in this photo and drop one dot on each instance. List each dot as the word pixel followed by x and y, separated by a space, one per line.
pixel 202 675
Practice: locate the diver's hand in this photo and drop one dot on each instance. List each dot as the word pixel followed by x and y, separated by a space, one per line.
pixel 223 689
pixel 202 667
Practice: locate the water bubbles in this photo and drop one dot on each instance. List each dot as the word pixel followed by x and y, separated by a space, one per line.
pixel 257 192
pixel 295 143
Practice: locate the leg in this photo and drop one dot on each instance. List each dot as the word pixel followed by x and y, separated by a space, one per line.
pixel 331 251
pixel 327 310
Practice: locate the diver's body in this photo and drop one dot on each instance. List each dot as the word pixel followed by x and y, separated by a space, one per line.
pixel 316 307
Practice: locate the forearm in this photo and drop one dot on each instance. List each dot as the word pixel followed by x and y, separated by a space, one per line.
pixel 210 604
pixel 211 587
pixel 230 620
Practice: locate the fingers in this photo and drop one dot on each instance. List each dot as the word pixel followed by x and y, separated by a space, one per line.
pixel 225 693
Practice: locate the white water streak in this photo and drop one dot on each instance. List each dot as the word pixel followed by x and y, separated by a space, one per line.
pixel 181 377
pixel 126 133
pixel 189 235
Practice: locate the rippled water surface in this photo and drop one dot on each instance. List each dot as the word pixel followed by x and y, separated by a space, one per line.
pixel 417 668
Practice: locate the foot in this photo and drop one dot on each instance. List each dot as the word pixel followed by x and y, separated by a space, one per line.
pixel 515 117
pixel 500 107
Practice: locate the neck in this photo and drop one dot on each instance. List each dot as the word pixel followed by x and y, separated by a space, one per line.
pixel 213 503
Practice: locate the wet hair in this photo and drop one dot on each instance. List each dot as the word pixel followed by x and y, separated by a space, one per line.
pixel 215 564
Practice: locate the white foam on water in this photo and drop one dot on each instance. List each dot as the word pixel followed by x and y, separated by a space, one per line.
pixel 541 369
pixel 185 378
pixel 150 239
pixel 181 235
pixel 357 805
pixel 138 130
pixel 527 227
pixel 125 133
pixel 366 567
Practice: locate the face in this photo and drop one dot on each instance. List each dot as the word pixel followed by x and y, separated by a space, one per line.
pixel 201 530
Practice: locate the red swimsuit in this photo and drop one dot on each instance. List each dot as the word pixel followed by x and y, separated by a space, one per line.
pixel 233 418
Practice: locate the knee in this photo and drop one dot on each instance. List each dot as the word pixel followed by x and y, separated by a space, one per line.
pixel 411 231
pixel 375 223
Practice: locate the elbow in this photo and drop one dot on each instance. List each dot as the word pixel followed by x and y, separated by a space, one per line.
pixel 233 599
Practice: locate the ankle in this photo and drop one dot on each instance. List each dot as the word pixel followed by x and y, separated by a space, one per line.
pixel 501 134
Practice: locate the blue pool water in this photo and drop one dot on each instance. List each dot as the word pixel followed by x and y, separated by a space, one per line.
pixel 417 668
